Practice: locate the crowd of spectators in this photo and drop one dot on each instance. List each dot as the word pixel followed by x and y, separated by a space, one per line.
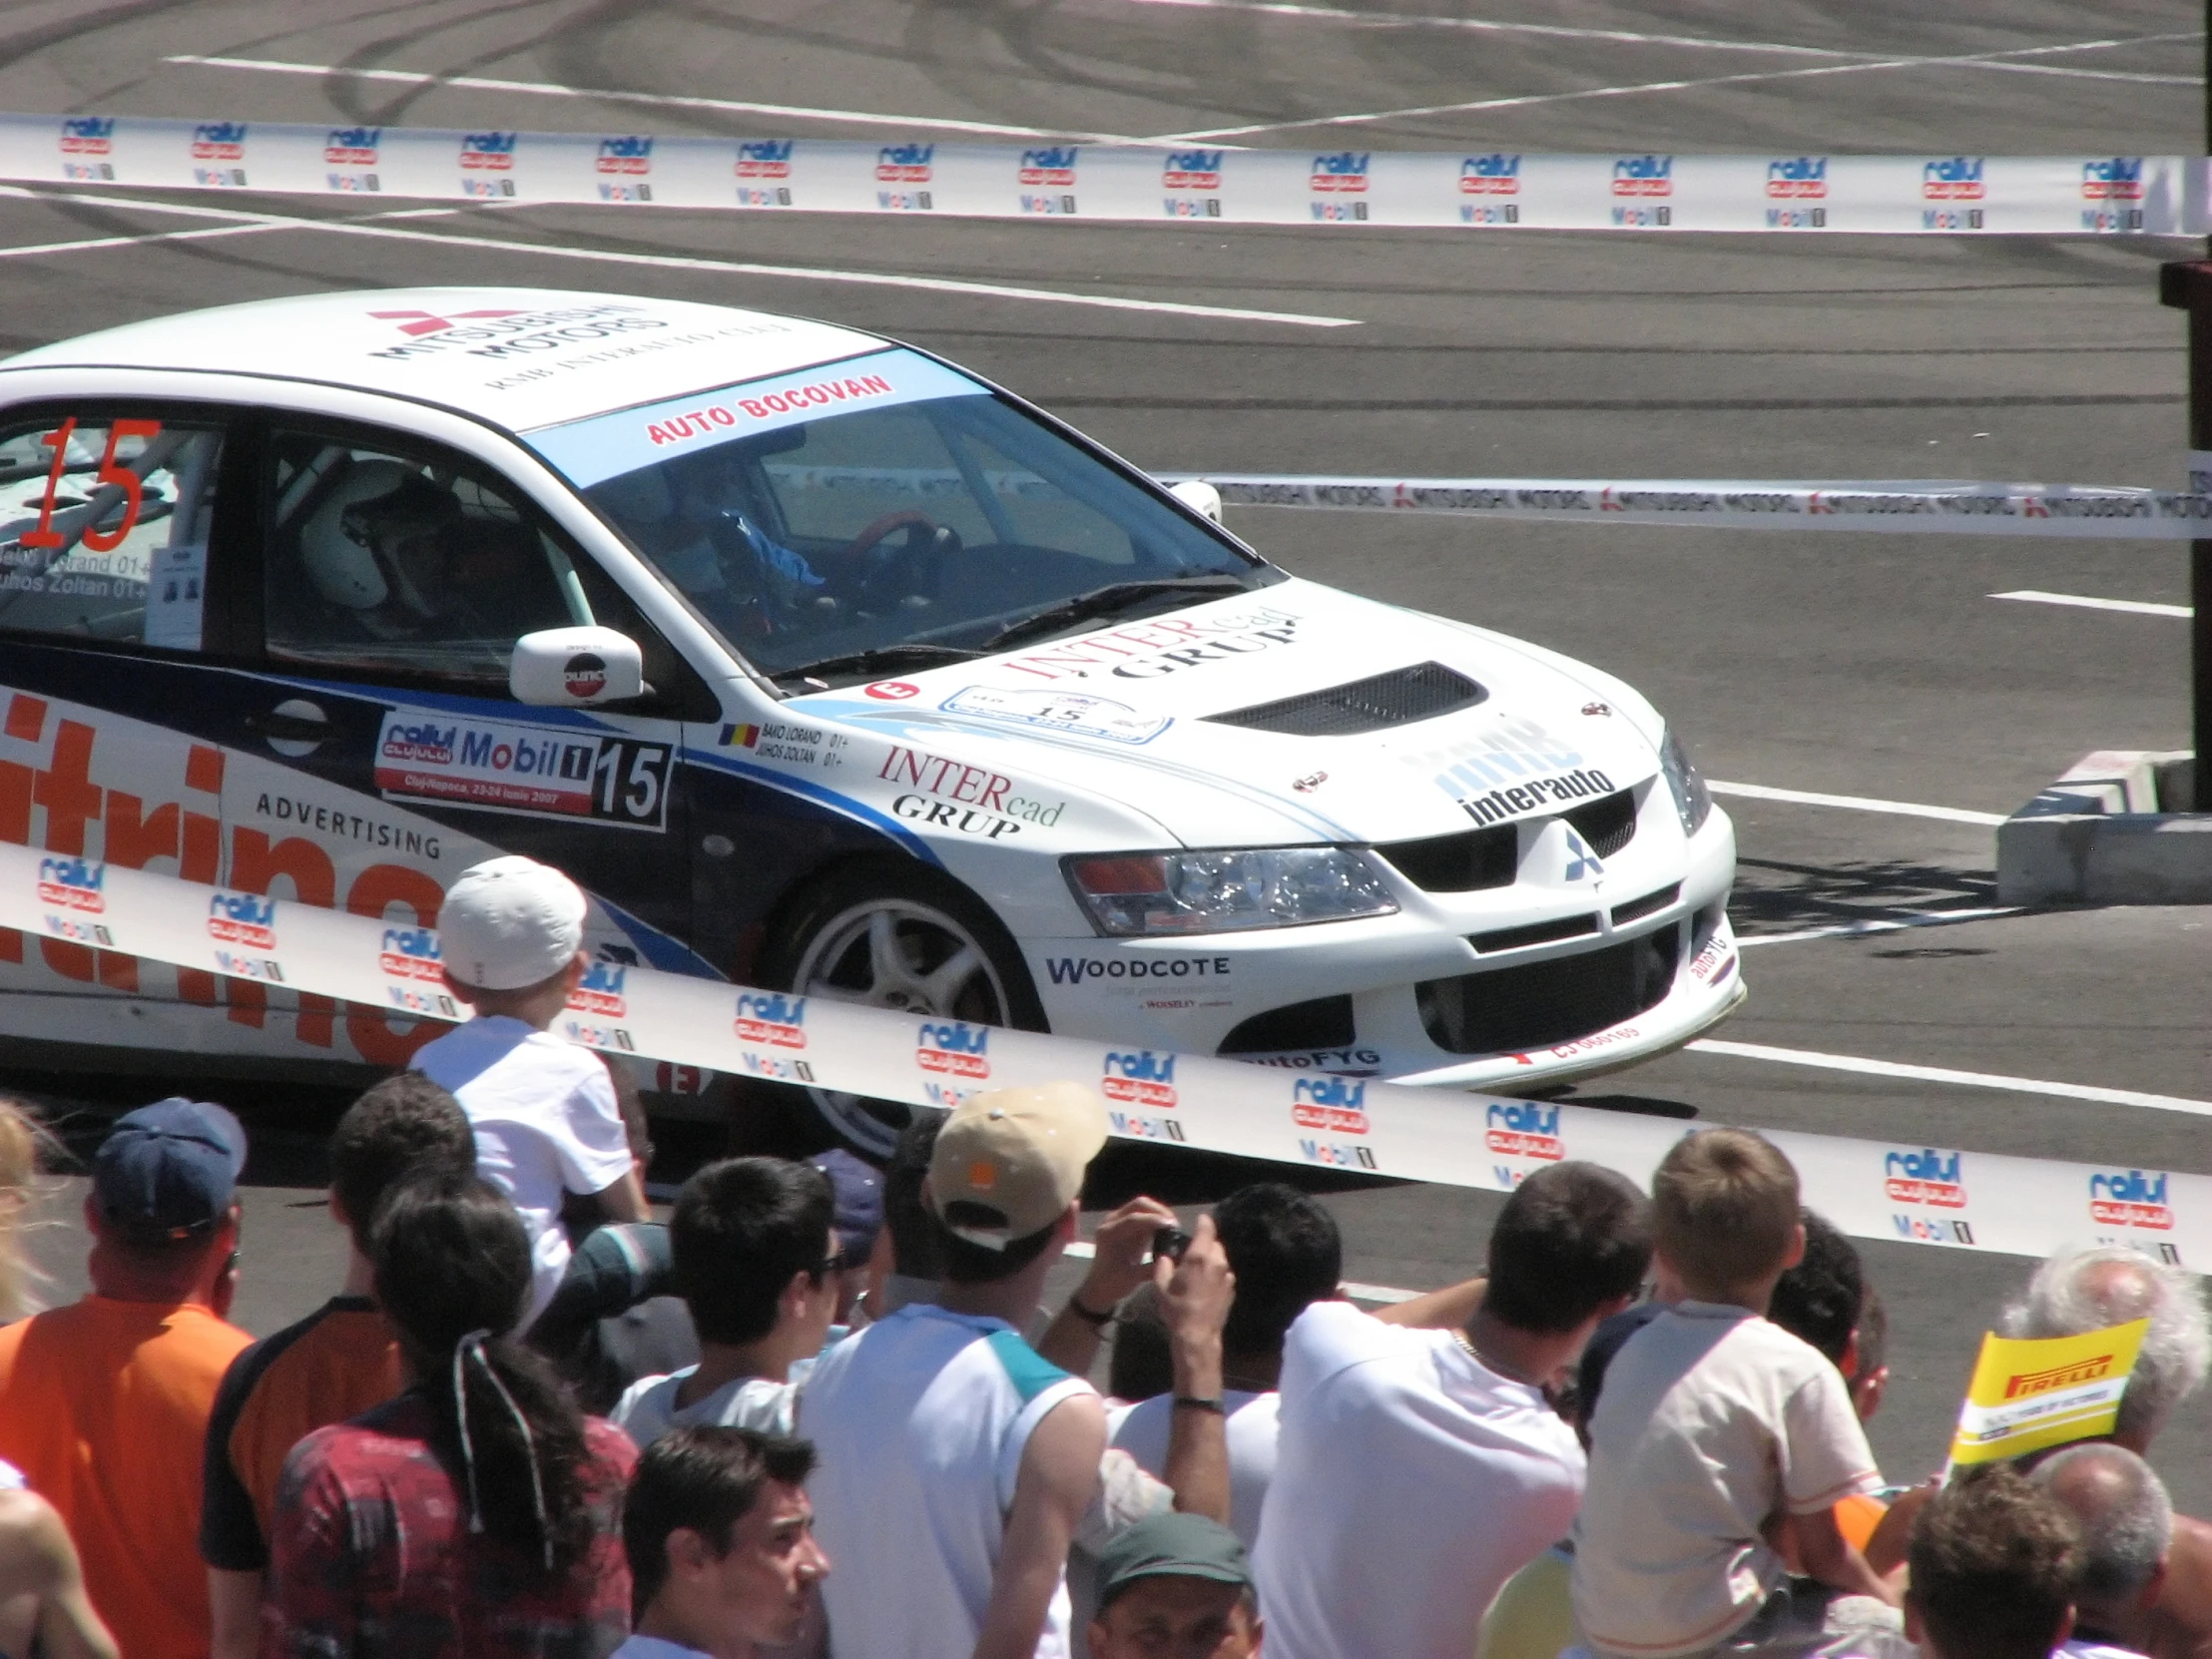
pixel 825 1410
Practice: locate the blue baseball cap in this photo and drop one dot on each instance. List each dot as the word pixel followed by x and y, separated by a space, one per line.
pixel 168 1170
pixel 858 1188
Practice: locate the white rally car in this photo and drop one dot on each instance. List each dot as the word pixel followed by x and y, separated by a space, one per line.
pixel 825 667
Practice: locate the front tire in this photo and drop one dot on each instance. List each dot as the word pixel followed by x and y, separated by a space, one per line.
pixel 904 939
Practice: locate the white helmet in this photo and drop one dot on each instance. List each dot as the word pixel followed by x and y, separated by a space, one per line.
pixel 340 544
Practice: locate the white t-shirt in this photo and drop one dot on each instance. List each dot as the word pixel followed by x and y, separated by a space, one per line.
pixel 546 1122
pixel 1711 1420
pixel 920 1421
pixel 648 1408
pixel 1142 1432
pixel 1410 1482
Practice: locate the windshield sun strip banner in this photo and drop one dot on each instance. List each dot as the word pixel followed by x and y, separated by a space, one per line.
pixel 603 447
pixel 1928 1195
pixel 1631 190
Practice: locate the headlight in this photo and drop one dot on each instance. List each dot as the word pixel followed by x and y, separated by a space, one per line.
pixel 1693 802
pixel 1136 893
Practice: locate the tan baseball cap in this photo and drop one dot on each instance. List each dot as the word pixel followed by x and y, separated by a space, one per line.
pixel 1012 1160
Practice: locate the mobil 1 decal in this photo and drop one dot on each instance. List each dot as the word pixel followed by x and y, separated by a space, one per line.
pixel 424 754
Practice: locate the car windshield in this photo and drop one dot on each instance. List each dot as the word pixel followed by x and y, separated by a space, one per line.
pixel 878 514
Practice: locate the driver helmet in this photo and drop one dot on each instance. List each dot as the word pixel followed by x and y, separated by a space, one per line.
pixel 354 545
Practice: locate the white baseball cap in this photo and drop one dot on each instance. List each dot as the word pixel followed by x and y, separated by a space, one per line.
pixel 510 923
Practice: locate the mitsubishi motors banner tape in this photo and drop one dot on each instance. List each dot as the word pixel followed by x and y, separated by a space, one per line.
pixel 1942 508
pixel 1789 194
pixel 2037 1391
pixel 1918 1194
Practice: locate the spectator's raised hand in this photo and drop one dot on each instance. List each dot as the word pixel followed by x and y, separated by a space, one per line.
pixel 1124 1252
pixel 1122 1249
pixel 1196 1292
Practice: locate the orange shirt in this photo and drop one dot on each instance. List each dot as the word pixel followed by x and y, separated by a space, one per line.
pixel 334 1365
pixel 104 1406
pixel 1856 1517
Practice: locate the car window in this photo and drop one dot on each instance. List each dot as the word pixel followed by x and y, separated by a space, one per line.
pixel 404 563
pixel 104 522
pixel 830 518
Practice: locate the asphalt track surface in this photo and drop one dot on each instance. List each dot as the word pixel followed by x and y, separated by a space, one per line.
pixel 1862 666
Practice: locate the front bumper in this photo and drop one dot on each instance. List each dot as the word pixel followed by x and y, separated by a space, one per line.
pixel 1431 995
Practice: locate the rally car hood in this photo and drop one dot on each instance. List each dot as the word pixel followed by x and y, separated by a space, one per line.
pixel 1214 721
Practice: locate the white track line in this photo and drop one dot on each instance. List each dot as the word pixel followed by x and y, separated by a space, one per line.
pixel 1855 802
pixel 1971 60
pixel 1628 37
pixel 674 261
pixel 1943 1074
pixel 237 224
pixel 664 99
pixel 2082 601
pixel 1894 925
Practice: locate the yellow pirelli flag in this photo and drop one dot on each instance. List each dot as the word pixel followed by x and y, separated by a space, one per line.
pixel 2035 1391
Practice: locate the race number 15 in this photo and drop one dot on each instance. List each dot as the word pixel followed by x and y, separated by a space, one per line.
pixel 630 781
pixel 110 477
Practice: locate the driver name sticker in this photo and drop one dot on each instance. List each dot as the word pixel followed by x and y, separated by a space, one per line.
pixel 426 755
pixel 1091 717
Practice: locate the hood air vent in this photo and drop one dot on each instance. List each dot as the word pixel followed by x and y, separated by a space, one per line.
pixel 1397 698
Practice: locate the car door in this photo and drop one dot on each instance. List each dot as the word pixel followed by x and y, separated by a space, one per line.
pixel 395 576
pixel 119 666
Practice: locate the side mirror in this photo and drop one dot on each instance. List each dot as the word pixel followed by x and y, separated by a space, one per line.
pixel 1199 494
pixel 570 668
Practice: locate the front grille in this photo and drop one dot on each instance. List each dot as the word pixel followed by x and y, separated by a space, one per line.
pixel 1541 932
pixel 1650 904
pixel 1510 1010
pixel 1463 862
pixel 1607 823
pixel 1397 698
pixel 1324 1023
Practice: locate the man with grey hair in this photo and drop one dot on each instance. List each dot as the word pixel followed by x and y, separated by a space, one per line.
pixel 2127 1525
pixel 2085 1289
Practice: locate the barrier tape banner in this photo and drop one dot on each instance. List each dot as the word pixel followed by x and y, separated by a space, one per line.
pixel 1503 190
pixel 1987 509
pixel 1925 1195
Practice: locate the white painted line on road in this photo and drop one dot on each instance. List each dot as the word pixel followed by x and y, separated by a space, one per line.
pixel 664 99
pixel 2082 601
pixel 1855 802
pixel 236 224
pixel 1555 31
pixel 1894 925
pixel 1943 1074
pixel 1986 60
pixel 875 279
pixel 1082 1249
pixel 1629 37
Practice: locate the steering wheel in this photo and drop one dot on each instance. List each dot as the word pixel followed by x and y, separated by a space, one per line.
pixel 876 529
pixel 920 562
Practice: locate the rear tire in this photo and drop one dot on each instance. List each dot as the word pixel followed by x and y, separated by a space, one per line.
pixel 905 939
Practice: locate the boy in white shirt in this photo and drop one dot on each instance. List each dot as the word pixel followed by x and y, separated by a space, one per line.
pixel 1717 1431
pixel 756 1256
pixel 544 1112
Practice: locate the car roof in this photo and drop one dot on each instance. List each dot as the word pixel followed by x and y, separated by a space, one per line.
pixel 521 358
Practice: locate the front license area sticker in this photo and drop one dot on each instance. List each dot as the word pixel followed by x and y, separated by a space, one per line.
pixel 523 769
pixel 1094 717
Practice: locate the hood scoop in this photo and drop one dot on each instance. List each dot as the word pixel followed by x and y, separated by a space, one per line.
pixel 1398 698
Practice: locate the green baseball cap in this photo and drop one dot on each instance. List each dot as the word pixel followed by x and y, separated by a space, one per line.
pixel 1173 1545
